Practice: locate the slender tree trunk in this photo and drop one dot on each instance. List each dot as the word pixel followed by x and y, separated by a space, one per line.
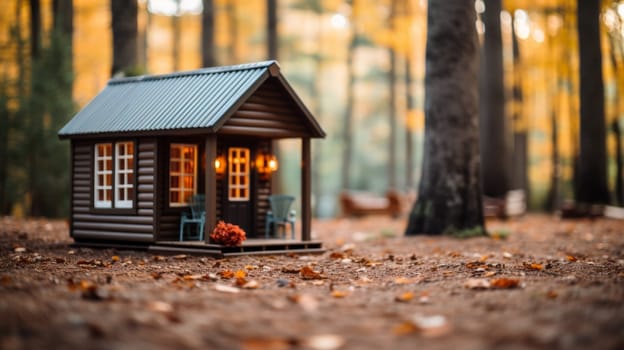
pixel 208 33
pixel 272 38
pixel 347 124
pixel 392 159
pixel 492 117
pixel 63 11
pixel 592 181
pixel 233 27
pixel 315 89
pixel 449 196
pixel 35 28
pixel 520 178
pixel 4 148
pixel 409 134
pixel 272 51
pixel 176 37
pixel 125 35
pixel 615 124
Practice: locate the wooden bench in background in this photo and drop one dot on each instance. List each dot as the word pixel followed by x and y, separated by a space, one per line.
pixel 355 203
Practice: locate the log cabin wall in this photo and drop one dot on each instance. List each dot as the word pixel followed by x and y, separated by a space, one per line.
pixel 135 224
pixel 269 113
pixel 263 191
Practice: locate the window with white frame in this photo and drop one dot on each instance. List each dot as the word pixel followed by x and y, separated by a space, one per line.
pixel 182 173
pixel 114 175
pixel 124 174
pixel 103 185
pixel 238 177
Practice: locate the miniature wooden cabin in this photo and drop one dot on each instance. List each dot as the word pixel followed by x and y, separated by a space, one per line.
pixel 145 145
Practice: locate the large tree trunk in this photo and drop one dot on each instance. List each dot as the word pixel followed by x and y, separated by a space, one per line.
pixel 125 35
pixel 207 34
pixel 449 196
pixel 591 186
pixel 492 101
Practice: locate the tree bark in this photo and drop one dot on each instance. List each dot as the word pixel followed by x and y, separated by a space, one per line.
pixel 449 196
pixel 520 179
pixel 272 38
pixel 591 187
pixel 207 35
pixel 409 135
pixel 176 37
pixel 347 124
pixel 35 28
pixel 392 158
pixel 125 35
pixel 493 145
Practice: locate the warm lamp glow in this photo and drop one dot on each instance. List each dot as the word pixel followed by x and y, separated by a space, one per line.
pixel 219 165
pixel 266 165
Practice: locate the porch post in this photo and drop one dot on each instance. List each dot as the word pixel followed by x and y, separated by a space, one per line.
pixel 211 186
pixel 306 209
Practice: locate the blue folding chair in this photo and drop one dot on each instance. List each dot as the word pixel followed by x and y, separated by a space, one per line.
pixel 280 214
pixel 197 218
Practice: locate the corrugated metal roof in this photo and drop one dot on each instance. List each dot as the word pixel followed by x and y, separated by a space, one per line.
pixel 197 99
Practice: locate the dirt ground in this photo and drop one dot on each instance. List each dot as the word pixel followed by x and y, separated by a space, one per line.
pixel 538 282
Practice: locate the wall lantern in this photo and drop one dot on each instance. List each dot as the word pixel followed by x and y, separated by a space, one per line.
pixel 219 165
pixel 266 165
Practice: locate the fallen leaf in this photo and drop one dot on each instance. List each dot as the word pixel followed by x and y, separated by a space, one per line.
pixel 159 258
pixel 266 344
pixel 324 342
pixel 225 289
pixel 240 274
pixel 571 258
pixel 489 274
pixel 339 293
pixel 405 280
pixel 194 277
pixel 253 284
pixel 534 266
pixel 226 274
pixel 157 275
pixel 504 283
pixel 290 269
pixel 477 283
pixel 180 257
pixel 405 297
pixel 307 273
pixel 336 255
pixel 476 265
pixel 307 302
pixel 427 326
pixel 160 306
pixel 115 258
pixel 552 294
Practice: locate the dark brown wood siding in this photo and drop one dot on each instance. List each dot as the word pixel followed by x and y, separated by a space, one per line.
pixel 136 224
pixel 263 191
pixel 270 113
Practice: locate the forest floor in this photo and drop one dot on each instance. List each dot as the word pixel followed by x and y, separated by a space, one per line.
pixel 537 282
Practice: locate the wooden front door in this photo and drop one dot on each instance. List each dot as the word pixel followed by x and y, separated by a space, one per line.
pixel 239 188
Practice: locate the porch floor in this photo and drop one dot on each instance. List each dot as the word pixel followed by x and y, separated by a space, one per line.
pixel 249 247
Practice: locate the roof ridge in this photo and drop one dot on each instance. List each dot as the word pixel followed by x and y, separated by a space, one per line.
pixel 201 71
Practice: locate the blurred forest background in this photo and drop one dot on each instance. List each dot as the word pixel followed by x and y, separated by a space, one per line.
pixel 359 65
